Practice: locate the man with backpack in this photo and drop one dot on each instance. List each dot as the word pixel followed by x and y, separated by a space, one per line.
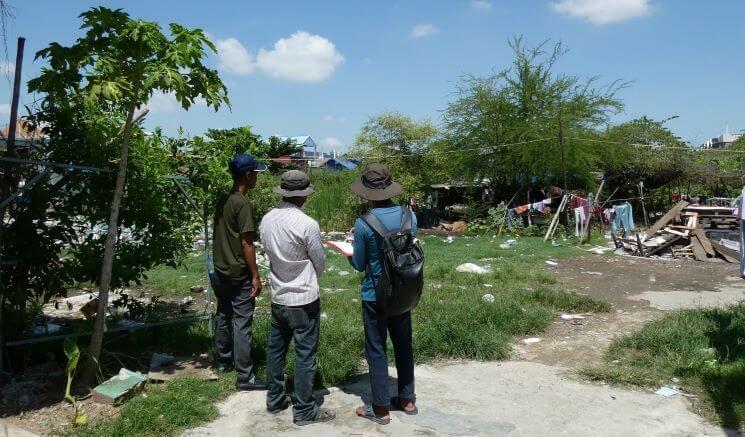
pixel 386 250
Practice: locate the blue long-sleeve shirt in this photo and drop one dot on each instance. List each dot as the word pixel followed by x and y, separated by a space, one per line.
pixel 368 245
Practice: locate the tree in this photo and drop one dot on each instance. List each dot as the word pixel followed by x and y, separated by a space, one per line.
pixel 117 65
pixel 403 144
pixel 507 124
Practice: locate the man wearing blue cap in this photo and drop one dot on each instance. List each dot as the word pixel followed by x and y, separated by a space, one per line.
pixel 236 278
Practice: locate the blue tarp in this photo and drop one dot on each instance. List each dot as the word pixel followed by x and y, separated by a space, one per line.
pixel 337 164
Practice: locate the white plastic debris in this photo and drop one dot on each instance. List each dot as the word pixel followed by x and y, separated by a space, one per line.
pixel 593 273
pixel 449 239
pixel 343 273
pixel 489 298
pixel 532 340
pixel 552 263
pixel 488 285
pixel 324 316
pixel 472 268
pixel 666 392
pixel 572 316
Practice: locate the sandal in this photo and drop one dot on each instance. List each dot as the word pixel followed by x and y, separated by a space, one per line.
pixel 322 415
pixel 397 405
pixel 370 415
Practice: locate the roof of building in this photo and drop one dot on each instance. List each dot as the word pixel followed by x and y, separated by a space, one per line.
pixel 303 140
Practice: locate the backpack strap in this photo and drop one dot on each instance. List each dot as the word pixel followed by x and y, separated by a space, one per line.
pixel 375 224
pixel 405 218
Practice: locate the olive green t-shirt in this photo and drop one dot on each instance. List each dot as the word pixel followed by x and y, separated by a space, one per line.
pixel 233 217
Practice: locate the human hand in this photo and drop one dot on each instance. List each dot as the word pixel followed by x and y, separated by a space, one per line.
pixel 256 287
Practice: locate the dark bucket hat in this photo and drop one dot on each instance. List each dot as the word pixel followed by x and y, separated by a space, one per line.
pixel 376 183
pixel 294 183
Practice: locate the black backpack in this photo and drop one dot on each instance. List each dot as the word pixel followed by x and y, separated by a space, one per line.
pixel 400 285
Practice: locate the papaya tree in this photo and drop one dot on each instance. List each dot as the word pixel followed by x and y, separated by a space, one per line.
pixel 114 68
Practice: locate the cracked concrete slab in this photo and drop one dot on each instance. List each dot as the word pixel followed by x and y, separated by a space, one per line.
pixel 678 299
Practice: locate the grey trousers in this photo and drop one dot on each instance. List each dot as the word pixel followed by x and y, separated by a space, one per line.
pixel 234 320
pixel 303 324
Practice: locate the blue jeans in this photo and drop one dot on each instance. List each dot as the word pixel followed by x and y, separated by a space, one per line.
pixel 303 324
pixel 234 320
pixel 377 326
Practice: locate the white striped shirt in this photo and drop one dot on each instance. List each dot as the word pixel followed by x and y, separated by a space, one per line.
pixel 296 255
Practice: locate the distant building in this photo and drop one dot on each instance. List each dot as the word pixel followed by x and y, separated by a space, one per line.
pixel 721 141
pixel 26 138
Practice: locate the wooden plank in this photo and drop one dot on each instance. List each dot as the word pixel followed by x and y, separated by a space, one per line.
pixel 698 250
pixel 674 239
pixel 704 240
pixel 666 219
pixel 673 231
pixel 726 253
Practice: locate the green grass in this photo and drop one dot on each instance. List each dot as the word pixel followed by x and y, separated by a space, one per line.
pixel 451 321
pixel 165 279
pixel 703 348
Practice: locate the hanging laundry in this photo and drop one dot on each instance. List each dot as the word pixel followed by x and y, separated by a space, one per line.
pixel 624 217
pixel 579 218
pixel 537 206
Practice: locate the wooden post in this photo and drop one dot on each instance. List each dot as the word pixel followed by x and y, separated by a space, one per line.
pixel 555 219
pixel 588 219
pixel 644 209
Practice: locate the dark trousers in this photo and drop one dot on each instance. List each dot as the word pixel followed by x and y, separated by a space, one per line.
pixel 234 319
pixel 377 326
pixel 302 323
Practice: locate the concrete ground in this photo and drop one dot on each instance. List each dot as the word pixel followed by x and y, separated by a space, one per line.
pixel 514 398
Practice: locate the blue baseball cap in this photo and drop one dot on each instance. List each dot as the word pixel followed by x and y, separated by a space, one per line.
pixel 242 164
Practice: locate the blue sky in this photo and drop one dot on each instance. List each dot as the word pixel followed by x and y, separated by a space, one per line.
pixel 323 67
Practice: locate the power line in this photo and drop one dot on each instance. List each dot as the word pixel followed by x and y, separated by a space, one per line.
pixel 656 146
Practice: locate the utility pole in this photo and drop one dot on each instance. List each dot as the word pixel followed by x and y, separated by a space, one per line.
pixel 563 166
pixel 7 181
pixel 16 95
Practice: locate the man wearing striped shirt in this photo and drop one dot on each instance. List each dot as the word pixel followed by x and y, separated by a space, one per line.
pixel 293 243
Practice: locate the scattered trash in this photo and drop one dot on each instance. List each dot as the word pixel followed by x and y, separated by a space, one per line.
pixel 324 316
pixel 119 387
pixel 449 239
pixel 343 273
pixel 532 340
pixel 572 316
pixel 554 243
pixel 593 273
pixel 196 289
pixel 188 300
pixel 488 298
pixel 49 328
pixel 488 285
pixel 472 268
pixel 666 392
pixel 511 242
pixel 552 263
pixel 355 300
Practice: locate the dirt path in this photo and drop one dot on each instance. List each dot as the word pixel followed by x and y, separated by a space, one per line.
pixel 639 290
pixel 539 394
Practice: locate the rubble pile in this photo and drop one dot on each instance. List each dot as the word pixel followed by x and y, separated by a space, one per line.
pixel 704 233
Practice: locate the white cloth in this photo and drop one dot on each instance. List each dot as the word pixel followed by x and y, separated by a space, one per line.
pixel 296 255
pixel 579 218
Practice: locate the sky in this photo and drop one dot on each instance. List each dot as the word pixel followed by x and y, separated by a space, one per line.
pixel 322 68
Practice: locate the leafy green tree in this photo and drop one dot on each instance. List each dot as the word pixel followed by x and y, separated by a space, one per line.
pixel 404 145
pixel 114 68
pixel 507 124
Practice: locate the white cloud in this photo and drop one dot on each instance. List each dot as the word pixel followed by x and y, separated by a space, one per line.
pixel 4 109
pixel 601 12
pixel 423 30
pixel 161 102
pixel 331 143
pixel 481 5
pixel 334 119
pixel 234 58
pixel 300 58
pixel 7 68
